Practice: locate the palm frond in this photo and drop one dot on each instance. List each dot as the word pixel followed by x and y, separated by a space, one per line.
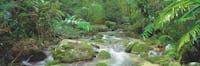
pixel 173 10
pixel 177 8
pixel 76 21
pixel 192 34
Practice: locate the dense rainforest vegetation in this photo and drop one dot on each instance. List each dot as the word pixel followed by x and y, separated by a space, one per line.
pixel 30 25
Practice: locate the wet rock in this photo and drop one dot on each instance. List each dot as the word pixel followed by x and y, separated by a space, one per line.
pixel 138 47
pixel 97 38
pixel 103 54
pixel 194 64
pixel 154 53
pixel 73 50
pixel 95 45
pixel 129 47
pixel 26 48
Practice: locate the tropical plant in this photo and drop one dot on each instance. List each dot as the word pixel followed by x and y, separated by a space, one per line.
pixel 73 20
pixel 179 20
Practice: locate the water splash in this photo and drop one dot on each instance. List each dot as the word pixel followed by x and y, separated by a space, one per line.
pixel 111 37
pixel 118 56
pixel 39 63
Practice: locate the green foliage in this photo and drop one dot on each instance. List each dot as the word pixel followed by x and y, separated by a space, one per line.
pixel 179 21
pixel 191 35
pixel 174 22
pixel 101 64
pixel 84 25
pixel 28 17
pixel 71 27
pixel 73 20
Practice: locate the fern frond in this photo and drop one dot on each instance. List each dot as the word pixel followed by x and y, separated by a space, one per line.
pixel 185 7
pixel 148 30
pixel 172 11
pixel 192 34
pixel 79 22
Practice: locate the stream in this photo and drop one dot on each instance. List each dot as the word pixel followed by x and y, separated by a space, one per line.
pixel 117 51
pixel 118 56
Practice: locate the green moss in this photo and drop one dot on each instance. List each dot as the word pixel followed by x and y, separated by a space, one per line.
pixel 103 54
pixel 69 57
pixel 54 62
pixel 101 64
pixel 140 47
pixel 71 50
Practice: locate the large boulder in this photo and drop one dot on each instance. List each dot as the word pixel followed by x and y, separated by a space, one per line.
pixel 138 47
pixel 73 50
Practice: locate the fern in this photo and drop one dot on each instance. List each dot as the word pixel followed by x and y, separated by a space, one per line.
pixel 148 30
pixel 192 34
pixel 75 21
pixel 84 25
pixel 170 12
pixel 179 13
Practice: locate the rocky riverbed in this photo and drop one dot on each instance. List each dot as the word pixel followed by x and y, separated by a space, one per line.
pixel 104 49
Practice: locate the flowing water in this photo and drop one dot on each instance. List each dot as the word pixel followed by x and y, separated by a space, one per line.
pixel 118 56
pixel 117 51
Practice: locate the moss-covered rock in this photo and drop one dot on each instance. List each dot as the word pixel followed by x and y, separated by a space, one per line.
pixel 101 64
pixel 140 47
pixel 97 38
pixel 71 50
pixel 163 60
pixel 103 54
pixel 129 47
